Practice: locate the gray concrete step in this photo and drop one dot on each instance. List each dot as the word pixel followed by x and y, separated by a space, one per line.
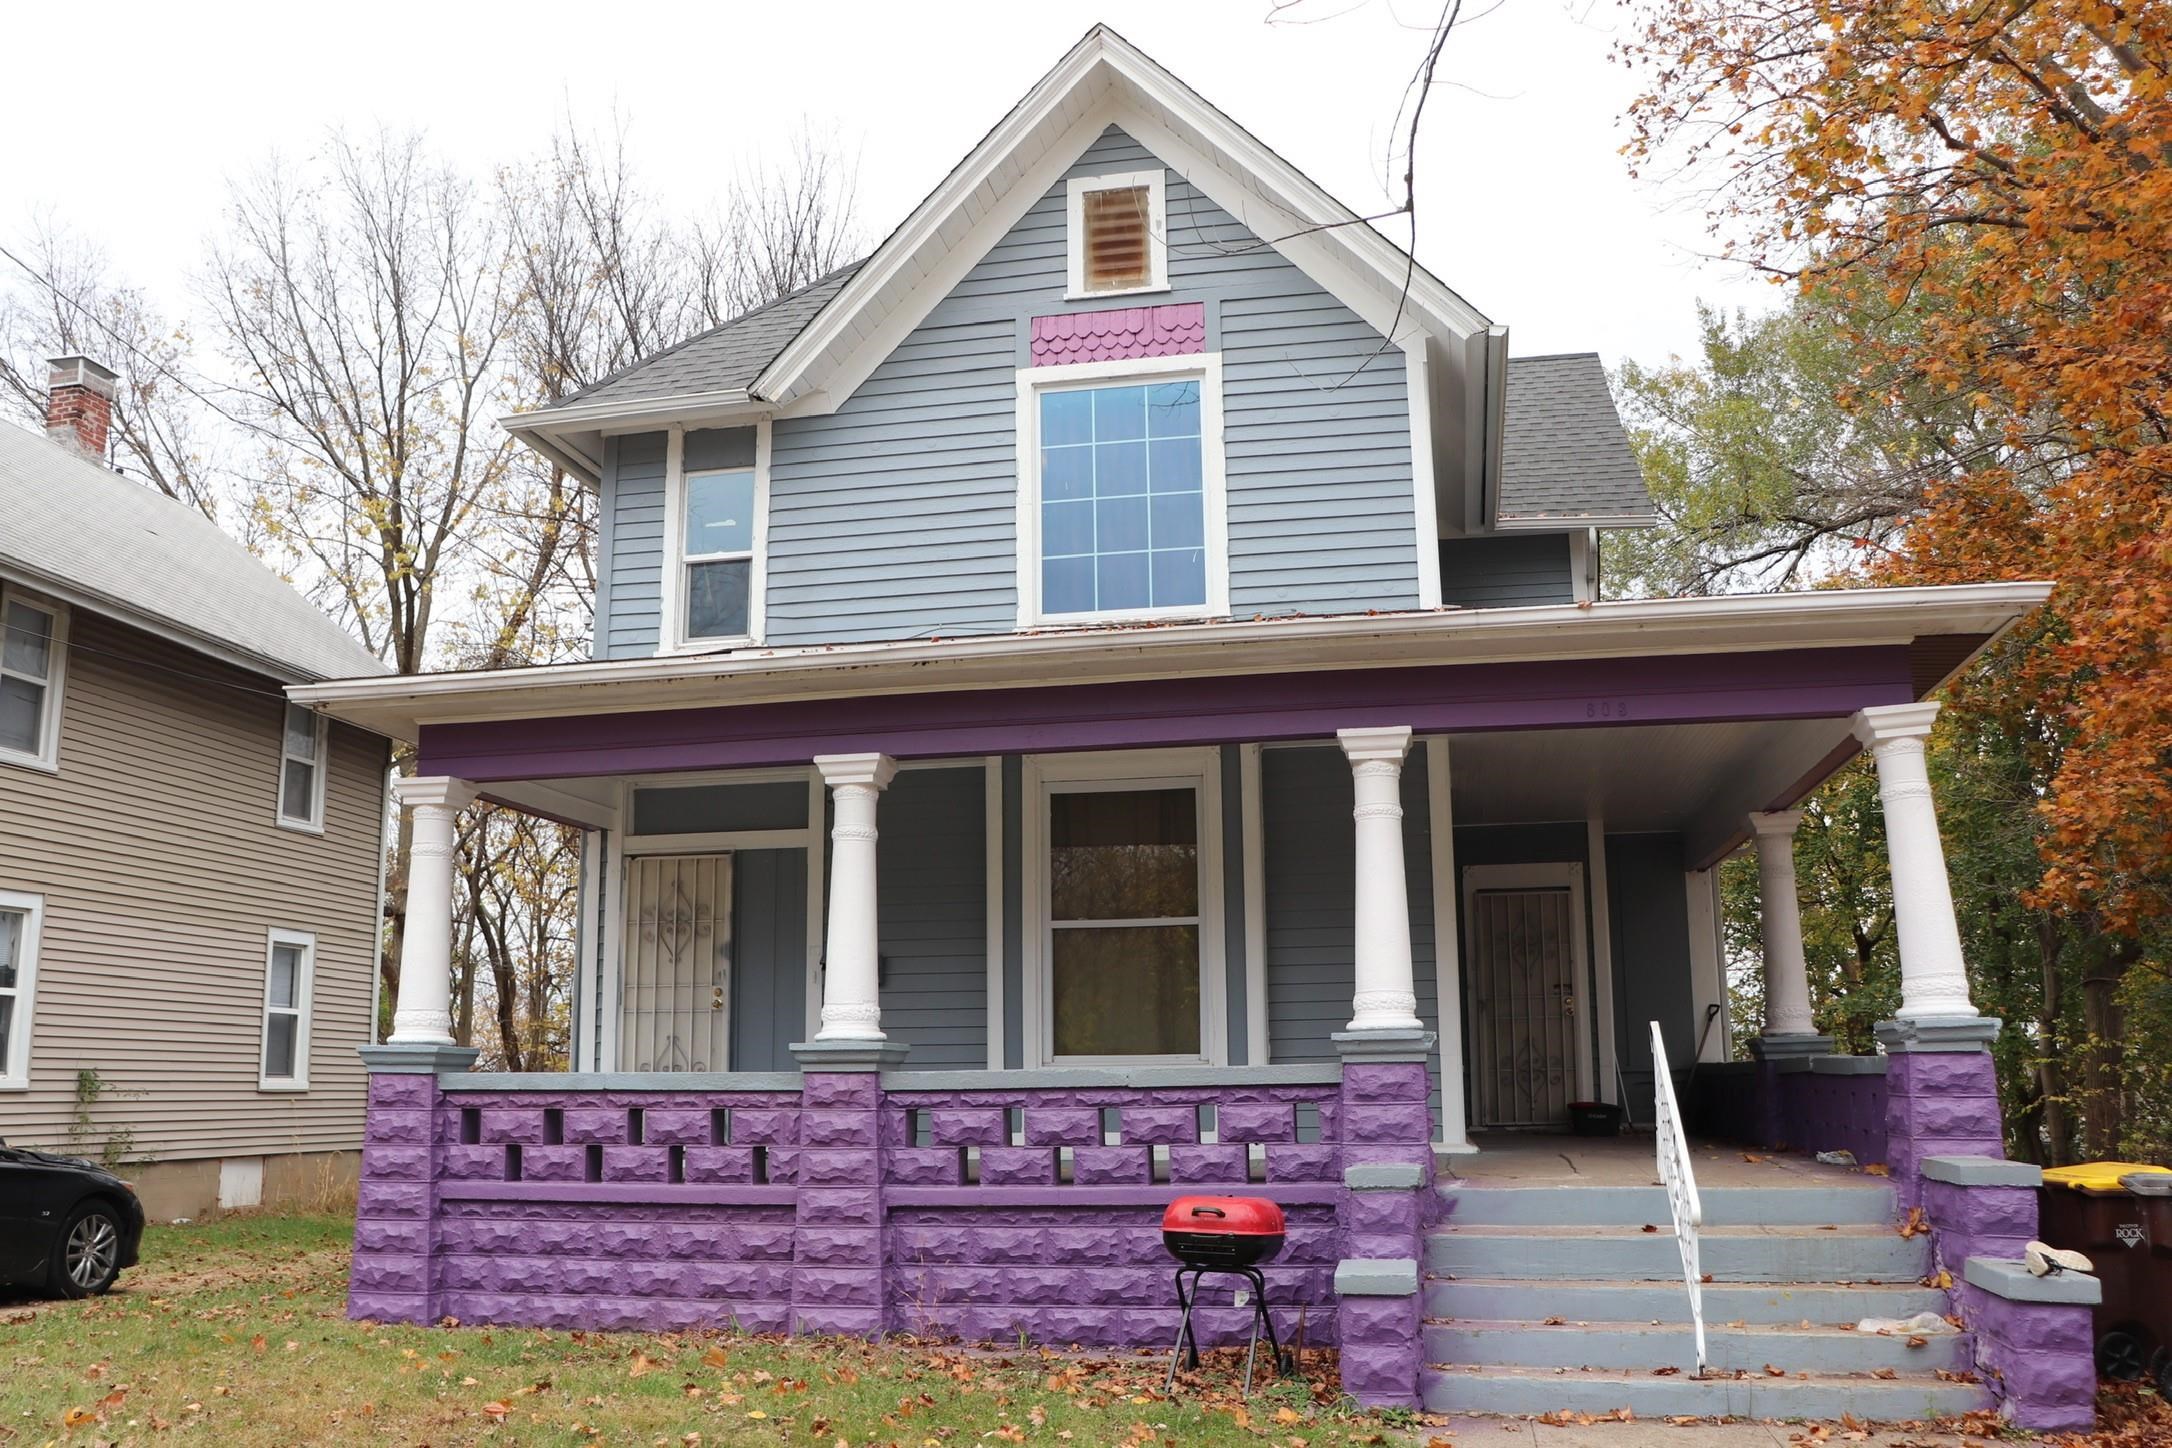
pixel 1871 1204
pixel 1728 1254
pixel 1546 1390
pixel 1828 1303
pixel 1795 1347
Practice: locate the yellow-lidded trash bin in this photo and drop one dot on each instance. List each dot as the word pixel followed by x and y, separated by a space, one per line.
pixel 2119 1215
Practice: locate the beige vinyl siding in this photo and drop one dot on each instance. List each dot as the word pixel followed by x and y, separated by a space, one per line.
pixel 163 869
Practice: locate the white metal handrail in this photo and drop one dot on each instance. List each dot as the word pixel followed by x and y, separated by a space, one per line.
pixel 1681 1184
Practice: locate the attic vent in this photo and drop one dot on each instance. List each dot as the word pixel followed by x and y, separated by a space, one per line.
pixel 1116 234
pixel 1116 240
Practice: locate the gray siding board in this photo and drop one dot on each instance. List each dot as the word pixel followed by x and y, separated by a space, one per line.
pixel 769 957
pixel 629 607
pixel 1648 912
pixel 1508 571
pixel 932 909
pixel 1311 898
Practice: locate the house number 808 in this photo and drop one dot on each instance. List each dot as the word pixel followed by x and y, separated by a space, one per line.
pixel 1606 708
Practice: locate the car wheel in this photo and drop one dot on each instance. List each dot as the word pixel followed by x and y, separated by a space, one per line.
pixel 2122 1357
pixel 87 1254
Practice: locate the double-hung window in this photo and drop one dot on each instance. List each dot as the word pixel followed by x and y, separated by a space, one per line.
pixel 1122 907
pixel 717 555
pixel 32 639
pixel 302 743
pixel 1122 508
pixel 290 962
pixel 20 918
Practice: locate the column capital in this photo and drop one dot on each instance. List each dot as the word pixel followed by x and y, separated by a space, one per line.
pixel 440 789
pixel 873 770
pixel 1888 723
pixel 1776 823
pixel 1365 746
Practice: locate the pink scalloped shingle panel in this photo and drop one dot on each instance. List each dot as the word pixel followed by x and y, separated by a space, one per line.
pixel 1119 334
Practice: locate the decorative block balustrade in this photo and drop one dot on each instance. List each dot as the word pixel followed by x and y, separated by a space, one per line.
pixel 971 1205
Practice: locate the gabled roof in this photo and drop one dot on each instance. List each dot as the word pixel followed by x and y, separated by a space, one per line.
pixel 1564 456
pixel 834 333
pixel 98 541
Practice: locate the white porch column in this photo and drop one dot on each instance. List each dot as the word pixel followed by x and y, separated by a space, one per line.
pixel 1787 975
pixel 851 995
pixel 1934 982
pixel 1385 997
pixel 422 1012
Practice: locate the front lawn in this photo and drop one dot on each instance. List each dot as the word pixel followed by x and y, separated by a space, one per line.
pixel 234 1333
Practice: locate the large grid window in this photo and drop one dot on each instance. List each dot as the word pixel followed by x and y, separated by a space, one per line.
pixel 1123 499
pixel 20 917
pixel 290 962
pixel 30 650
pixel 718 554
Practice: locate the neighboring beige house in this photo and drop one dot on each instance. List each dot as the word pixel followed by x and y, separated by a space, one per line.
pixel 190 868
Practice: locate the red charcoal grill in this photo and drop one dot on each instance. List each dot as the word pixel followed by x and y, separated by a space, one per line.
pixel 1231 1235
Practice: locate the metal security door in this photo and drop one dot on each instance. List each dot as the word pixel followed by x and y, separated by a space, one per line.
pixel 1524 1027
pixel 675 1006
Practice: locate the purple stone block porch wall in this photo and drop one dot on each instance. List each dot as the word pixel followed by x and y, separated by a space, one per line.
pixel 845 1208
pixel 1939 1103
pixel 1775 1104
pixel 2040 1358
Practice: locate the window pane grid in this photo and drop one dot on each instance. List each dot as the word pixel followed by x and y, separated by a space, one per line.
pixel 1123 511
pixel 299 765
pixel 286 991
pixel 26 671
pixel 717 553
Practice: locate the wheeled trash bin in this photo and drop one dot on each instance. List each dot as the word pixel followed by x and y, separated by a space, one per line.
pixel 2119 1214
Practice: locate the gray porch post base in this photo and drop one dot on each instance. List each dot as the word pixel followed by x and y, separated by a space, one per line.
pixel 832 1056
pixel 396 1206
pixel 1386 1132
pixel 1769 1051
pixel 1938 1033
pixel 417 1059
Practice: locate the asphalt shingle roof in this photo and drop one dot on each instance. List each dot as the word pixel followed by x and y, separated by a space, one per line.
pixel 1563 451
pixel 73 524
pixel 730 355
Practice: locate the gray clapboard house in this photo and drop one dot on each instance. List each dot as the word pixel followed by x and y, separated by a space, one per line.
pixel 189 864
pixel 1109 698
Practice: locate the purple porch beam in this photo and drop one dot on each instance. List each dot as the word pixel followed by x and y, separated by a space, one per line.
pixel 1670 689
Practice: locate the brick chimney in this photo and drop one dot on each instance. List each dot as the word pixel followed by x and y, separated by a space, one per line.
pixel 79 404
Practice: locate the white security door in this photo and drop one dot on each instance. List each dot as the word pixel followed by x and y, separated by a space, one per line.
pixel 675 1006
pixel 1524 1029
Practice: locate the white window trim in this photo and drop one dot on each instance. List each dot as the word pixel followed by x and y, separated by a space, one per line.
pixel 15 1073
pixel 47 757
pixel 1032 382
pixel 1199 770
pixel 304 992
pixel 313 824
pixel 1548 875
pixel 671 635
pixel 1156 183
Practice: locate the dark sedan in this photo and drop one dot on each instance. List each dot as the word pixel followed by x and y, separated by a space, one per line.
pixel 67 1227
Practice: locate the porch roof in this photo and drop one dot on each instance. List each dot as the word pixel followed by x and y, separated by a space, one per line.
pixel 1941 628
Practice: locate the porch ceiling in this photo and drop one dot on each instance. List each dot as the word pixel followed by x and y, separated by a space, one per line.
pixel 1700 779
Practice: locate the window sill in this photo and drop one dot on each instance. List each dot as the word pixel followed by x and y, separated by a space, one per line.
pixel 1160 288
pixel 16 1084
pixel 282 1088
pixel 300 827
pixel 1204 613
pixel 707 646
pixel 30 761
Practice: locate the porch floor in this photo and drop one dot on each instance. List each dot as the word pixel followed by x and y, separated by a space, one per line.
pixel 1537 1158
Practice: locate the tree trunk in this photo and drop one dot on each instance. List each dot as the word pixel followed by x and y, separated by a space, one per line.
pixel 2057 1126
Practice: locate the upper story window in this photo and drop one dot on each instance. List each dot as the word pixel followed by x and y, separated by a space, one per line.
pixel 1118 235
pixel 32 636
pixel 713 591
pixel 1121 509
pixel 302 741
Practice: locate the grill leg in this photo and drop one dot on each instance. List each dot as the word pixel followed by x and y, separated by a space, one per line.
pixel 1184 1329
pixel 1259 1310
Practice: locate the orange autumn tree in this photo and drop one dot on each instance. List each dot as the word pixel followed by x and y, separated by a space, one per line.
pixel 1999 174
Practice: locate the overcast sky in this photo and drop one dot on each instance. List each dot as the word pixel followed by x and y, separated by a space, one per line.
pixel 131 117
